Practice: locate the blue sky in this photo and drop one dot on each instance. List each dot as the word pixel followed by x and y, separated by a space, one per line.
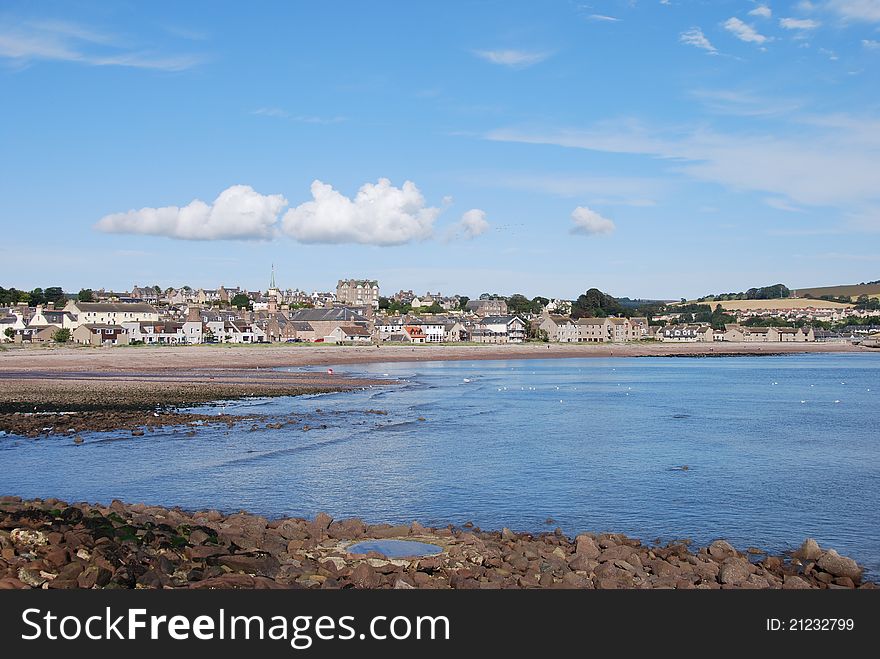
pixel 648 148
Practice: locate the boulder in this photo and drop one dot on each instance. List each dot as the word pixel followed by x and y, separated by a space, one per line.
pixel 794 582
pixel 587 547
pixel 840 566
pixel 261 565
pixel 721 549
pixel 734 571
pixel 809 551
pixel 363 576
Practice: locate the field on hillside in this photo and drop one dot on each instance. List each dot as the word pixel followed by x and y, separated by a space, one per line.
pixel 853 291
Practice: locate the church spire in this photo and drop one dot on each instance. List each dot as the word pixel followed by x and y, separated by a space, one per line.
pixel 272 281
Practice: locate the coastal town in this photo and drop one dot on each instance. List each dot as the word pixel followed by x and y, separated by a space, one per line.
pixel 356 313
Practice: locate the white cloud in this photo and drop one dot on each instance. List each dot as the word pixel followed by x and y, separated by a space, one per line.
pixel 513 58
pixel 602 18
pixel 238 213
pixel 761 10
pixel 380 214
pixel 859 10
pixel 743 31
pixel 799 23
pixel 870 44
pixel 695 37
pixel 589 222
pixel 473 223
pixel 70 42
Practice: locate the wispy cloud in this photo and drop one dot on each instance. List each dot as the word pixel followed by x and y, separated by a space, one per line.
pixel 279 113
pixel 762 11
pixel 695 37
pixel 744 31
pixel 61 41
pixel 743 103
pixel 603 18
pixel 512 58
pixel 834 164
pixel 798 23
pixel 857 10
pixel 870 44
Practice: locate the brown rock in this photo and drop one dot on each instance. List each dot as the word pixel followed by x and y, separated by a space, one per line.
pixel 581 563
pixel 262 565
pixel 226 582
pixel 587 547
pixel 793 582
pixel 721 549
pixel 363 576
pixel 734 571
pixel 94 576
pixel 846 582
pixel 840 566
pixel 616 553
pixel 809 551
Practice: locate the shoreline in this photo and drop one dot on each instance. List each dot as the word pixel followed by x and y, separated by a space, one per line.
pixel 51 544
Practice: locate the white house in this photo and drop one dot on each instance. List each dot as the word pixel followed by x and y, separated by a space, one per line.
pixel 110 313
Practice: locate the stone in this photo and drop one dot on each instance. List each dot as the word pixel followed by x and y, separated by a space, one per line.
pixel 225 582
pixel 32 578
pixel 347 529
pixel 262 565
pixel 507 534
pixel 840 566
pixel 363 576
pixel 401 584
pixel 846 582
pixel 94 576
pixel 615 553
pixel 721 549
pixel 28 538
pixel 734 571
pixel 587 547
pixel 794 582
pixel 581 563
pixel 809 551
pixel 322 521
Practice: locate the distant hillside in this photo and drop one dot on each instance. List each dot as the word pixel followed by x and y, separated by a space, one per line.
pixel 631 303
pixel 853 291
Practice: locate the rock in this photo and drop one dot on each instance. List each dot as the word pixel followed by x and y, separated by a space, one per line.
pixel 347 529
pixel 261 565
pixel 94 576
pixel 721 549
pixel 846 582
pixel 363 576
pixel 28 538
pixel 400 584
pixel 840 566
pixel 507 534
pixel 384 531
pixel 587 547
pixel 616 553
pixel 794 582
pixel 225 581
pixel 322 521
pixel 32 578
pixel 772 563
pixel 734 571
pixel 809 551
pixel 137 432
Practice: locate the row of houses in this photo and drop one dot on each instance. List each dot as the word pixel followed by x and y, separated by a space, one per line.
pixel 733 333
pixel 564 329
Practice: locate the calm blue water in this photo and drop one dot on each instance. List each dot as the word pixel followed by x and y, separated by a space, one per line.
pixel 591 443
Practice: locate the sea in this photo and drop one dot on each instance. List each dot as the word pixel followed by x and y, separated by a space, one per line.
pixel 763 451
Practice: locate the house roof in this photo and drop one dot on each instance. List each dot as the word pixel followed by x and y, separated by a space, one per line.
pixel 591 321
pixel 335 314
pixel 354 330
pixel 98 326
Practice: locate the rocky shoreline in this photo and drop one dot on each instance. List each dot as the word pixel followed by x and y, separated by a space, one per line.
pixel 52 544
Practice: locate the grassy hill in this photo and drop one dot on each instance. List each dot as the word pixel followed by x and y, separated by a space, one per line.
pixel 852 291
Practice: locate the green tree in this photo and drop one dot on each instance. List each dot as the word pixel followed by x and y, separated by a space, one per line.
pixel 10 333
pixel 240 301
pixel 61 335
pixel 86 295
pixel 37 297
pixel 55 294
pixel 518 304
pixel 462 302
